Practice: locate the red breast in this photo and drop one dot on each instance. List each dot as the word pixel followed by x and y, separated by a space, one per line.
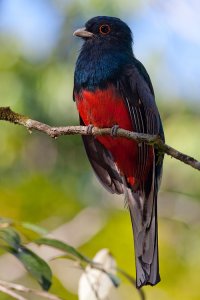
pixel 105 108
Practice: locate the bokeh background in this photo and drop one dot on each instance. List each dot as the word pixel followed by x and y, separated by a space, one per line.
pixel 49 182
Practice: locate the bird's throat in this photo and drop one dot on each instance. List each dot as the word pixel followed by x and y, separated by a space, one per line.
pixel 96 67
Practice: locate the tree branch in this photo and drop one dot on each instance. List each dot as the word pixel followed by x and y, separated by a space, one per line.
pixel 14 295
pixel 6 114
pixel 10 289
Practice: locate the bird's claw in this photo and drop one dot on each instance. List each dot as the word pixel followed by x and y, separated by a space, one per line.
pixel 89 129
pixel 114 130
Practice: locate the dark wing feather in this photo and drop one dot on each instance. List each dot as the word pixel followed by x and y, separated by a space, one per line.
pixel 103 164
pixel 137 91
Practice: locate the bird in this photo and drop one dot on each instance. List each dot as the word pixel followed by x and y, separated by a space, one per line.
pixel 112 89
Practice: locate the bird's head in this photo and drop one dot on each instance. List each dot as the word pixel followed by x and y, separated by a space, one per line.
pixel 106 50
pixel 104 29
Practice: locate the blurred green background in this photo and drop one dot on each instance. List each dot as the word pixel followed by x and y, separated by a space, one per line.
pixel 49 182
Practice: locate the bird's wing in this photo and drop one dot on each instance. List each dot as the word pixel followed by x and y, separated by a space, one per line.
pixel 103 164
pixel 137 91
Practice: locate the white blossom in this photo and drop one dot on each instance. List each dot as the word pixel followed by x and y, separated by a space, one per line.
pixel 95 284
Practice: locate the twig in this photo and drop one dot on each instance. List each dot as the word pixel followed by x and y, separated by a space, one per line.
pixel 9 286
pixel 133 281
pixel 6 114
pixel 14 295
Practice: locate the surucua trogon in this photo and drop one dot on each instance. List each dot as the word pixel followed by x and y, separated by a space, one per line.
pixel 112 88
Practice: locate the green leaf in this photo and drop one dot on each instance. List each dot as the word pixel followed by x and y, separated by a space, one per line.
pixel 64 247
pixel 35 228
pixel 10 237
pixel 115 280
pixel 30 231
pixel 75 254
pixel 65 256
pixel 35 265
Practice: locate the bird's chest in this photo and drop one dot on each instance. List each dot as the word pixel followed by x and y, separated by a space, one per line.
pixel 103 108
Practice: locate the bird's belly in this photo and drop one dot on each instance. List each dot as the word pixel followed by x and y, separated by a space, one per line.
pixel 105 108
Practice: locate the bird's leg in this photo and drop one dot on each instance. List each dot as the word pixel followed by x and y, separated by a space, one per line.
pixel 89 129
pixel 114 130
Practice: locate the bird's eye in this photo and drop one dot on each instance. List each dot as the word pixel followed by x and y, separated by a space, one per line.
pixel 104 29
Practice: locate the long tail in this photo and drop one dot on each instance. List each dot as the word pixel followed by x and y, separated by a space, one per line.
pixel 143 213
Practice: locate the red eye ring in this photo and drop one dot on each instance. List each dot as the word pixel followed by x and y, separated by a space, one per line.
pixel 104 29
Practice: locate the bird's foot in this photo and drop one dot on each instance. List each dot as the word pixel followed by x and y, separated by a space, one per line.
pixel 89 129
pixel 114 130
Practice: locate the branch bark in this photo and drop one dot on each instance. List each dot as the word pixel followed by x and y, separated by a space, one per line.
pixel 6 114
pixel 11 289
pixel 14 295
